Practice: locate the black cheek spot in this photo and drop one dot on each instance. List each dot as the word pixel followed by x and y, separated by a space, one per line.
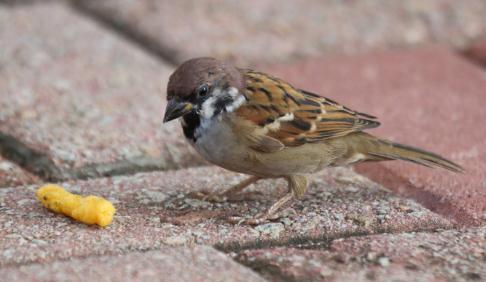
pixel 221 103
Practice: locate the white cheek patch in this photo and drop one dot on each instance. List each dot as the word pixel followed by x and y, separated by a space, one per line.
pixel 233 92
pixel 207 108
pixel 237 102
pixel 217 92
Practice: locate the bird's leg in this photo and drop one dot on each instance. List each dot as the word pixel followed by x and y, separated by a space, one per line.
pixel 229 193
pixel 297 187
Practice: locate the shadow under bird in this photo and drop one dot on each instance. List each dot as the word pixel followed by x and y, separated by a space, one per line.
pixel 253 123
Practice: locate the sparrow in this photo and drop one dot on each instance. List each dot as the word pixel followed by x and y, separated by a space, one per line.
pixel 254 123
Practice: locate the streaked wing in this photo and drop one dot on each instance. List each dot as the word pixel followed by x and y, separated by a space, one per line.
pixel 293 116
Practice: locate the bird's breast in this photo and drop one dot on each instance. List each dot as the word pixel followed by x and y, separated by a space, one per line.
pixel 215 140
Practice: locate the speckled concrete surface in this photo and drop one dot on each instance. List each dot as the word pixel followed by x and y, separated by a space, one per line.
pixel 430 98
pixel 452 255
pixel 12 175
pixel 267 31
pixel 154 209
pixel 199 263
pixel 82 95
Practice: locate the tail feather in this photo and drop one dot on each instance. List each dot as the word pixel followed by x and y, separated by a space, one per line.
pixel 393 151
pixel 376 149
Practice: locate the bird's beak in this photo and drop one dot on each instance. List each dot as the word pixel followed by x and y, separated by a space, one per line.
pixel 176 109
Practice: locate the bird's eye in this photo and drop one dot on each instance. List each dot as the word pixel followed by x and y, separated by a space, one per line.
pixel 203 90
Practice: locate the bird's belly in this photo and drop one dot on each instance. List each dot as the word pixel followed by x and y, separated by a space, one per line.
pixel 220 146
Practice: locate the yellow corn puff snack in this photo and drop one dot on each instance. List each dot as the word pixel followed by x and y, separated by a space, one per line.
pixel 89 209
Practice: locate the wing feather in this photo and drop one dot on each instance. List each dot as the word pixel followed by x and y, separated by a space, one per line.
pixel 293 116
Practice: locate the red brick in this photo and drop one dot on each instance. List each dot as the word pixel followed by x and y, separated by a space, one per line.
pixel 198 263
pixel 444 256
pixel 429 98
pixel 270 31
pixel 83 96
pixel 153 210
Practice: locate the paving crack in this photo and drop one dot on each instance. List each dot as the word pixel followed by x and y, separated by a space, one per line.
pixel 28 158
pixel 154 47
pixel 41 165
pixel 125 167
pixel 309 242
pixel 274 273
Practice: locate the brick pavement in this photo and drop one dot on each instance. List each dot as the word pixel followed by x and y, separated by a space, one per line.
pixel 84 99
pixel 154 209
pixel 443 256
pixel 198 263
pixel 87 109
pixel 266 31
pixel 428 97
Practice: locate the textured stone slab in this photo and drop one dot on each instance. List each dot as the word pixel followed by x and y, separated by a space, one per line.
pixel 12 175
pixel 257 31
pixel 154 209
pixel 81 96
pixel 199 263
pixel 430 98
pixel 454 255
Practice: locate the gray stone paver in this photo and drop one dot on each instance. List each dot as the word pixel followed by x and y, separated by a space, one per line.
pixel 267 31
pixel 199 263
pixel 81 95
pixel 154 209
pixel 452 255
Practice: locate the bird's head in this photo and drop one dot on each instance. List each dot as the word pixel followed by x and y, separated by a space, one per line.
pixel 206 86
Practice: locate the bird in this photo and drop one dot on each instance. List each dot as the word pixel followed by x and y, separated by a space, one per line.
pixel 254 123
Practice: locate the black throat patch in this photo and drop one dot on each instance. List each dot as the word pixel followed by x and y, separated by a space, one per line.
pixel 191 122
